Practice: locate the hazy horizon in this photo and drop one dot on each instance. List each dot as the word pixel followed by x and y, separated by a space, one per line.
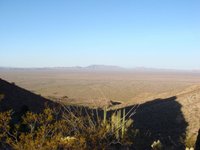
pixel 102 67
pixel 150 34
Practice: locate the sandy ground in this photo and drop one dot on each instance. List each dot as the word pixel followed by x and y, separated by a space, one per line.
pixel 90 86
pixel 93 88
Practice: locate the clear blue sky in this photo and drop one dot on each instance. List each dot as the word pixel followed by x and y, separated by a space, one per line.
pixel 149 33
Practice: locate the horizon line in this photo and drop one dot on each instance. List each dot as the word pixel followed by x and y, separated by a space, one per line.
pixel 97 65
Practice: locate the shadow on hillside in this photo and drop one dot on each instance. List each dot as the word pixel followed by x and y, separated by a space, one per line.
pixel 21 100
pixel 159 119
pixel 197 144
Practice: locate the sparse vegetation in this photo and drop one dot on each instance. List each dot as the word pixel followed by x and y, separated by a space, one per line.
pixel 157 145
pixel 66 130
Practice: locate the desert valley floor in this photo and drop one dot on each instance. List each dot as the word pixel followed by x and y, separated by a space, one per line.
pixel 96 88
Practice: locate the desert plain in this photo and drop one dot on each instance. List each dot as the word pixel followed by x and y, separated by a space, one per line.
pixel 93 87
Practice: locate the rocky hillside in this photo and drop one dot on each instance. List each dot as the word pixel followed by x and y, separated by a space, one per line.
pixel 190 101
pixel 17 98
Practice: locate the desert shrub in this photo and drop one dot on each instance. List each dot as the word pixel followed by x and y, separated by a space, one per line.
pixel 189 141
pixel 52 130
pixel 5 118
pixel 156 145
pixel 100 131
pixel 36 131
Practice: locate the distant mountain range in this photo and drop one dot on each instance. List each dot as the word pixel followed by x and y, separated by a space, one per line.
pixel 102 68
